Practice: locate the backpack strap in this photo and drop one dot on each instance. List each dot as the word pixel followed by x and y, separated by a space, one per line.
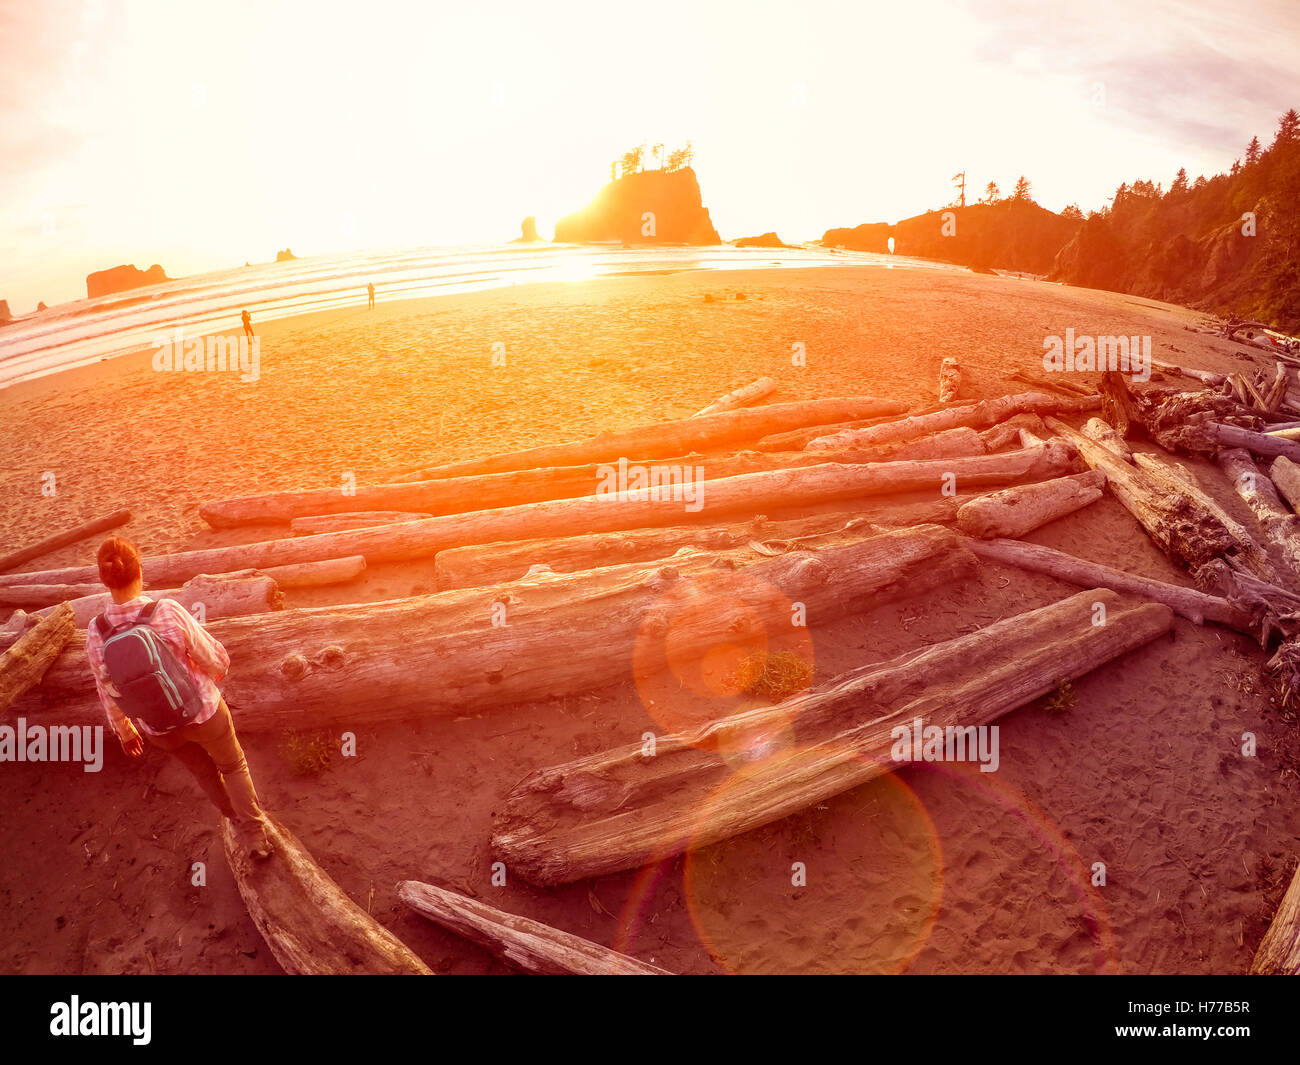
pixel 106 630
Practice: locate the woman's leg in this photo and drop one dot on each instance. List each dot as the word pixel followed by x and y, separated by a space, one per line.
pixel 201 766
pixel 217 737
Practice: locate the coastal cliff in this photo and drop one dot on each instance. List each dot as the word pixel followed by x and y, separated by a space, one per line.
pixel 121 278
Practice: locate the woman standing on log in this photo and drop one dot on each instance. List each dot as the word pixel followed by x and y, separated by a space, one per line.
pixel 162 665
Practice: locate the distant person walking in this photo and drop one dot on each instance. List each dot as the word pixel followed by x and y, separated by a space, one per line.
pixel 248 324
pixel 156 667
pixel 370 290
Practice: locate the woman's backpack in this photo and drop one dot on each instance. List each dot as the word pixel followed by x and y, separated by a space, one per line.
pixel 153 683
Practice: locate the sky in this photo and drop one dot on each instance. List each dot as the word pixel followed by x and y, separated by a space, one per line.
pixel 201 136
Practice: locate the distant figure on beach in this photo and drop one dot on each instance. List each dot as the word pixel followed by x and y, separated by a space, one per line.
pixel 248 324
pixel 156 667
pixel 370 289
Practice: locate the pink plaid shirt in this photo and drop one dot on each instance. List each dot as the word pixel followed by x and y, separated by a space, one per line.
pixel 203 656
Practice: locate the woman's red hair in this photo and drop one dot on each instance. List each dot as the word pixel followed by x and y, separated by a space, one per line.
pixel 119 563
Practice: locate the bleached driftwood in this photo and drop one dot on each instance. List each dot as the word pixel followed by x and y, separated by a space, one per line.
pixel 322 523
pixel 24 663
pixel 673 438
pixel 496 563
pixel 1008 432
pixel 1015 511
pixel 563 634
pixel 949 380
pixel 63 539
pixel 1278 953
pixel 1280 527
pixel 310 924
pixel 740 397
pixel 221 596
pixel 1196 606
pixel 1285 474
pixel 640 508
pixel 619 809
pixel 1176 517
pixel 531 945
pixel 977 415
pixel 1098 430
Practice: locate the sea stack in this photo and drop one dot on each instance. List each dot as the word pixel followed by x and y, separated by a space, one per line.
pixel 647 207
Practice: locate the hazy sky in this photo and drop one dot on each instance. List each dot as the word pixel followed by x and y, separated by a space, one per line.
pixel 199 136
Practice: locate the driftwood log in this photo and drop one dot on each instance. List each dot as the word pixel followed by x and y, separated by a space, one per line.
pixel 619 809
pixel 675 437
pixel 1220 435
pixel 1008 432
pixel 643 508
pixel 740 397
pixel 63 539
pixel 311 926
pixel 977 415
pixel 481 564
pixel 1279 526
pixel 1278 953
pixel 34 596
pixel 443 653
pixel 949 380
pixel 491 491
pixel 1100 431
pixel 1177 518
pixel 531 945
pixel 321 523
pixel 24 664
pixel 1013 512
pixel 1197 606
pixel 222 596
pixel 1285 475
pixel 1177 481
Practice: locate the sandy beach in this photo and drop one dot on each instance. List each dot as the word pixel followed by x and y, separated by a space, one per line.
pixel 936 869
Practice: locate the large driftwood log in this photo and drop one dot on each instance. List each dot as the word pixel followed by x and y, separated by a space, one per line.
pixel 1279 951
pixel 1280 527
pixel 24 664
pixel 1196 606
pixel 34 596
pixel 795 439
pixel 635 509
pixel 1206 377
pixel 620 810
pixel 459 495
pixel 448 653
pixel 531 945
pixel 1175 479
pixel 321 523
pixel 977 415
pixel 1013 512
pixel 222 596
pixel 1098 430
pixel 740 397
pixel 1221 435
pixel 1176 517
pixel 674 438
pixel 1008 432
pixel 480 564
pixel 71 536
pixel 311 926
pixel 1285 475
